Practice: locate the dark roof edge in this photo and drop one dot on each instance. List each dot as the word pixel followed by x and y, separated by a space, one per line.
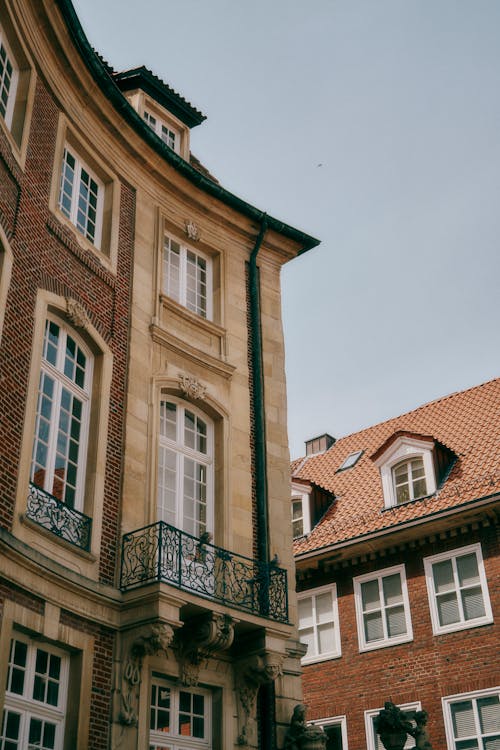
pixel 143 78
pixel 387 530
pixel 115 96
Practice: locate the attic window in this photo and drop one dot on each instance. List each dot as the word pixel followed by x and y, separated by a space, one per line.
pixel 407 470
pixel 350 461
pixel 167 135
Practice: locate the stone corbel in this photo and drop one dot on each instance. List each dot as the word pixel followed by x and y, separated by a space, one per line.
pixel 191 387
pixel 250 674
pixel 152 639
pixel 198 640
pixel 76 313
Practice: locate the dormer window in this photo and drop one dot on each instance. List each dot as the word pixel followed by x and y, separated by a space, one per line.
pixel 168 136
pixel 301 514
pixel 409 480
pixel 407 469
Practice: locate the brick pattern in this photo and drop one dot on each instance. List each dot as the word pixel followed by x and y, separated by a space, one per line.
pixel 426 669
pixel 46 256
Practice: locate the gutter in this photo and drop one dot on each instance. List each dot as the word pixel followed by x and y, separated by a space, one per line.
pixel 422 521
pixel 111 91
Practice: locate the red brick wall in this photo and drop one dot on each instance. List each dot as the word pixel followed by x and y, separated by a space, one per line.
pixel 425 669
pixel 46 256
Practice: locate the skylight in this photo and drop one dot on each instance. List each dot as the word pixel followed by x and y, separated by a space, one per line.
pixel 349 462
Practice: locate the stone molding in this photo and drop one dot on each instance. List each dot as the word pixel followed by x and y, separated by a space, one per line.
pixel 191 387
pixel 250 673
pixel 198 640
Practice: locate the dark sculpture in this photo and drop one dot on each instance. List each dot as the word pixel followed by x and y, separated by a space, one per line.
pixel 394 725
pixel 302 736
pixel 419 732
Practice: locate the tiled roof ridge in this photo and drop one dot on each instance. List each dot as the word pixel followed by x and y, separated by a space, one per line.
pixel 404 414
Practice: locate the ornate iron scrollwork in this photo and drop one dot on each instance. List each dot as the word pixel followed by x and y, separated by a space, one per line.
pixel 65 522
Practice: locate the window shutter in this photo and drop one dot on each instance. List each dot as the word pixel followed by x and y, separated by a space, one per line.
pixel 463 720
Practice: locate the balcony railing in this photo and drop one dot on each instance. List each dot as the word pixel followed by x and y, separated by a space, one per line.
pixel 162 553
pixel 65 522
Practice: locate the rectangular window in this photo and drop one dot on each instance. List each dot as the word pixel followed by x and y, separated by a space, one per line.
pixel 373 741
pixel 35 697
pixel 81 197
pixel 382 609
pixel 319 624
pixel 457 588
pixel 335 729
pixel 187 278
pixel 8 80
pixel 179 718
pixel 167 134
pixel 472 721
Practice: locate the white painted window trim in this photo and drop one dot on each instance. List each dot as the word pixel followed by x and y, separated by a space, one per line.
pixel 173 740
pixel 299 492
pixel 438 629
pixel 371 743
pixel 387 641
pixel 157 128
pixel 404 449
pixel 80 165
pixel 29 707
pixel 182 451
pixel 184 249
pixel 332 721
pixel 337 651
pixel 11 100
pixel 449 700
pixel 56 372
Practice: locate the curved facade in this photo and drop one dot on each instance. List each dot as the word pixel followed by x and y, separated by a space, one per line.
pixel 146 566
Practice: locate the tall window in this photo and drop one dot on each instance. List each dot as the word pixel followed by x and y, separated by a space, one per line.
pixel 179 718
pixel 472 721
pixel 8 80
pixel 319 623
pixel 60 442
pixel 81 196
pixel 382 609
pixel 409 480
pixel 185 468
pixel 35 697
pixel 187 277
pixel 168 136
pixel 457 588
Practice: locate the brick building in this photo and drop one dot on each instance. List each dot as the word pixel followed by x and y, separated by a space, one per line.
pixel 398 572
pixel 140 447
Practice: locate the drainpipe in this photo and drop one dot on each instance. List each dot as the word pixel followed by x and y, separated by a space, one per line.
pixel 258 400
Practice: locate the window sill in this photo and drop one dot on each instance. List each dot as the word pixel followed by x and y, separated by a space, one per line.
pixel 408 502
pixel 305 661
pixel 458 627
pixel 385 644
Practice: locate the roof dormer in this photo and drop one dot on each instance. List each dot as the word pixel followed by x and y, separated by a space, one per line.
pixel 167 113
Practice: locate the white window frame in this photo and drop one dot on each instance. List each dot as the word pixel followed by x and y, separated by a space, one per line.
pixel 173 740
pixel 180 295
pixel 371 735
pixel 11 96
pixel 159 126
pixel 334 620
pixel 71 212
pixel 447 703
pixel 462 624
pixel 302 494
pixel 333 721
pixel 61 381
pixel 25 705
pixel 405 448
pixel 183 452
pixel 387 640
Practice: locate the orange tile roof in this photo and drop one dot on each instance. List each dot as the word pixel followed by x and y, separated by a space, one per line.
pixel 467 422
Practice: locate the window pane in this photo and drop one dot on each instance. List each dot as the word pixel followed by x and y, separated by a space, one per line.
pixel 443 576
pixel 324 607
pixel 374 629
pixel 305 613
pixel 11 725
pixel 448 609
pixel 489 714
pixel 370 595
pixel 462 715
pixel 334 734
pixel 419 488
pixel 396 621
pixel 326 638
pixel 473 604
pixel 468 573
pixel 391 586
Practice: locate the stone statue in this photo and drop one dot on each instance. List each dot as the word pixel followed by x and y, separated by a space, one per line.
pixel 302 736
pixel 393 726
pixel 419 732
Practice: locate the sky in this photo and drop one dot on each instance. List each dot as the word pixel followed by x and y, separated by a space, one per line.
pixel 373 125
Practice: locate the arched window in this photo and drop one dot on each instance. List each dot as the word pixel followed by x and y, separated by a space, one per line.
pixel 185 468
pixel 409 480
pixel 62 415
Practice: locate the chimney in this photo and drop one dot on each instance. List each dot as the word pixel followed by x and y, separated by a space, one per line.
pixel 319 444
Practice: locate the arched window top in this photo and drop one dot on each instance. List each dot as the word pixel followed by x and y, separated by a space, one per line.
pixel 409 480
pixel 186 427
pixel 63 351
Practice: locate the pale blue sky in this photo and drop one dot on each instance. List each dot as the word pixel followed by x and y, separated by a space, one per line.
pixel 375 126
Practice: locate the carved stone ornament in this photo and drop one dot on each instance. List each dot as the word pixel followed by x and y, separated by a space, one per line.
pixel 251 673
pixel 192 230
pixel 302 736
pixel 154 639
pixel 199 639
pixel 76 313
pixel 192 387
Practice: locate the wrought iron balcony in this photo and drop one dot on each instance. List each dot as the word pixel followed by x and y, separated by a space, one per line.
pixel 65 522
pixel 162 553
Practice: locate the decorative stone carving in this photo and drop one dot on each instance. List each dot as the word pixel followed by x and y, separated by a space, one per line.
pixel 301 736
pixel 192 230
pixel 76 313
pixel 192 387
pixel 394 725
pixel 199 639
pixel 155 639
pixel 251 673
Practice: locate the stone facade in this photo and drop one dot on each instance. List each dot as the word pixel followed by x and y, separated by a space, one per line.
pixel 142 584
